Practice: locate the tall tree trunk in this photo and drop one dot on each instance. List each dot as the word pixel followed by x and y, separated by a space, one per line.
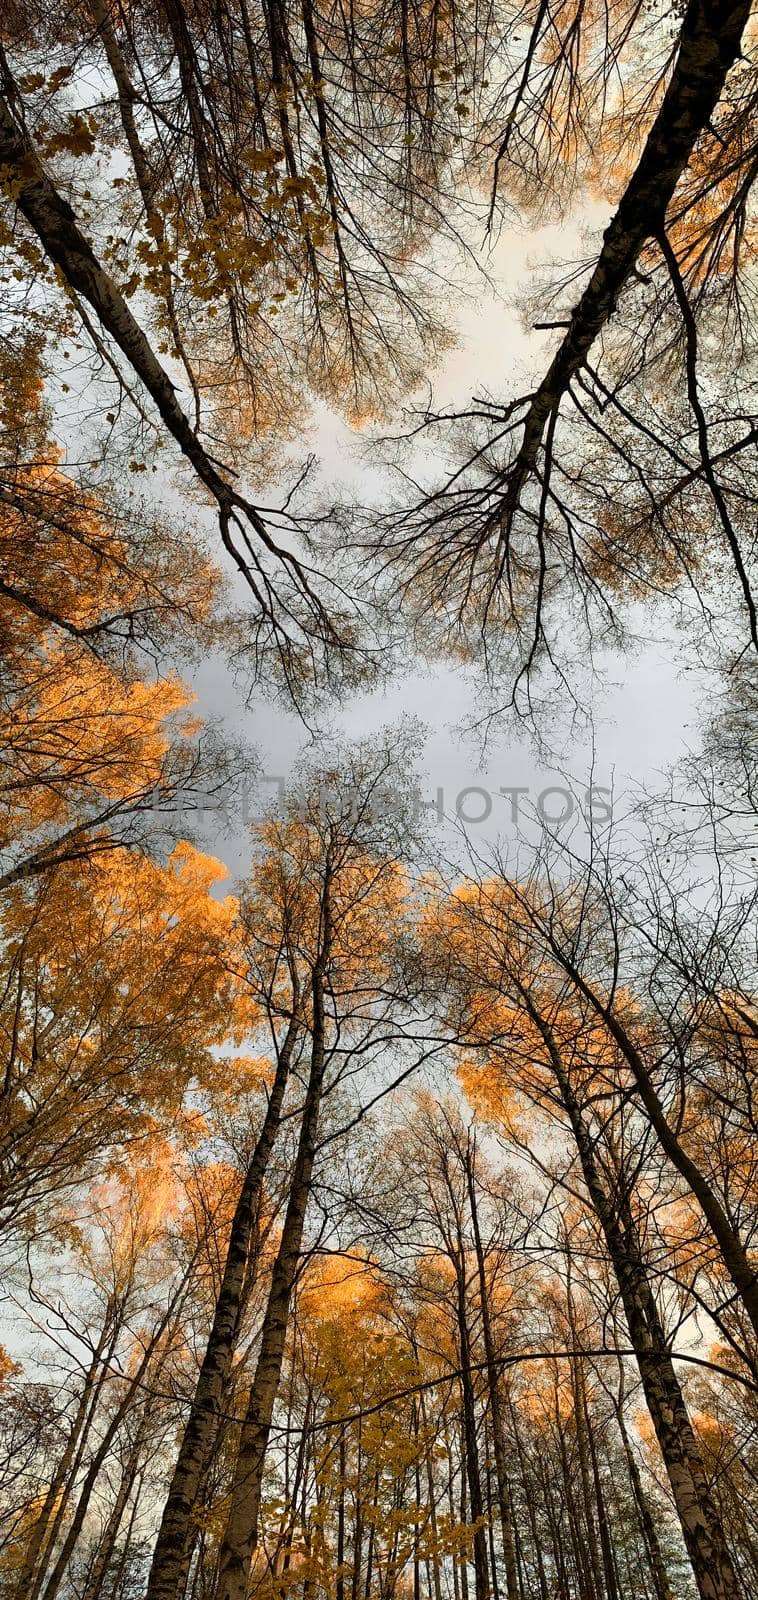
pixel 372 1540
pixel 740 1268
pixel 658 1571
pixel 451 1498
pixel 491 1542
pixel 554 1523
pixel 417 1511
pixel 52 1511
pixel 703 1534
pixel 173 1546
pixel 476 1502
pixel 571 1499
pixel 578 1392
pixel 94 1585
pixel 339 1587
pixel 435 1563
pixel 241 1533
pixel 464 1505
pixel 709 45
pixel 50 216
pixel 89 1484
pixel 358 1523
pixel 541 1577
pixel 606 1542
pixel 118 1576
pixel 498 1436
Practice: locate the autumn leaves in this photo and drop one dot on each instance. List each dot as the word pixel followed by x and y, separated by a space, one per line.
pixel 394 1233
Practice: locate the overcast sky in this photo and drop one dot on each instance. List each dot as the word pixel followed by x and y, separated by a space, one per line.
pixel 642 719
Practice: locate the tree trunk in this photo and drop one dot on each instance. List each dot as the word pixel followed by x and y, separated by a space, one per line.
pixel 541 1578
pixel 476 1503
pixel 655 1555
pixel 703 1534
pixel 559 1554
pixel 54 1506
pixel 372 1540
pixel 435 1562
pixel 710 38
pixel 92 1475
pixel 742 1272
pixel 358 1523
pixel 50 216
pixel 606 1542
pixel 241 1533
pixel 173 1547
pixel 498 1436
pixel 102 1560
pixel 339 1587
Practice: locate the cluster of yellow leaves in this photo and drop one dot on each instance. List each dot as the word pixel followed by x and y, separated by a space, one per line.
pixel 128 956
pixel 369 904
pixel 82 735
pixel 122 979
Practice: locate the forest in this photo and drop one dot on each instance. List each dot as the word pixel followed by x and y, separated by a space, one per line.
pixel 379 1222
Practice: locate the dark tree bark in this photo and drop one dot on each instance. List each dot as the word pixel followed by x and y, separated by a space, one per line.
pixel 241 1533
pixel 498 1436
pixel 173 1547
pixel 709 45
pixel 473 1474
pixel 652 1544
pixel 735 1257
pixel 701 1527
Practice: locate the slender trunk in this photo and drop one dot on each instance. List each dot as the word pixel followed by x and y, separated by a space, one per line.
pixel 118 1575
pixel 584 1473
pixel 50 216
pixel 488 1475
pixel 53 1507
pixel 173 1547
pixel 559 1556
pixel 127 99
pixel 417 1511
pixel 101 1454
pixel 709 45
pixel 398 1520
pixel 741 1270
pixel 520 1566
pixel 435 1564
pixel 241 1533
pixel 476 1503
pixel 493 1556
pixel 703 1534
pixel 657 1564
pixel 578 1393
pixel 451 1505
pixel 581 1562
pixel 464 1503
pixel 498 1436
pixel 372 1540
pixel 358 1524
pixel 606 1542
pixel 339 1587
pixel 104 1555
pixel 541 1578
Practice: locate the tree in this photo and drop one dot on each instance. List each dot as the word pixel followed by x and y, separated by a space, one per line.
pixel 513 1011
pixel 305 156
pixel 589 488
pixel 324 908
pixel 117 996
pixel 98 752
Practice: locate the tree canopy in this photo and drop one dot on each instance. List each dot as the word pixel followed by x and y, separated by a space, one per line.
pixel 382 1224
